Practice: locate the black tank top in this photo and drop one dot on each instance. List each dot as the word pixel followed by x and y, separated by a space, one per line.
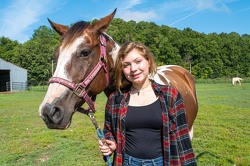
pixel 144 131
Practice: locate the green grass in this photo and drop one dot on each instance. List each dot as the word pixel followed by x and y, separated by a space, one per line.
pixel 221 135
pixel 222 126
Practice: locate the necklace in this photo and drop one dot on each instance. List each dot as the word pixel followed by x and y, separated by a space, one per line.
pixel 138 93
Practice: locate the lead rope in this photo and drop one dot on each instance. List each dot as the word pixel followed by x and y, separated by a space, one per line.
pixel 100 133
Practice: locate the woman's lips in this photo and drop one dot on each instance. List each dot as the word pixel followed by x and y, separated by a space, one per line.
pixel 135 75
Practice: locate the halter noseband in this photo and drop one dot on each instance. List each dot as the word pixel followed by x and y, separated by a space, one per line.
pixel 79 89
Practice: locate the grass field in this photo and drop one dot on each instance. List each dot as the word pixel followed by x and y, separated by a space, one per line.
pixel 222 130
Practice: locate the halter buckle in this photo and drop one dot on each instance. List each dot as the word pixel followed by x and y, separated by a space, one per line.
pixel 79 90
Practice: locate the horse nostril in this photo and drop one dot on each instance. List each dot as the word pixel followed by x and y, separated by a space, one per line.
pixel 52 114
pixel 45 111
pixel 56 115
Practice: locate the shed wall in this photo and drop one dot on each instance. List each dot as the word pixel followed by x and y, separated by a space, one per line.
pixel 17 74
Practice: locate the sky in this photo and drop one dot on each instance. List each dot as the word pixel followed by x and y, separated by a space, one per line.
pixel 19 18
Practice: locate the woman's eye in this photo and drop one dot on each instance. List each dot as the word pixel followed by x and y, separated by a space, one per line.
pixel 138 61
pixel 85 53
pixel 125 65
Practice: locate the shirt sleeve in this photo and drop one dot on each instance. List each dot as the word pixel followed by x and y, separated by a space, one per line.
pixel 108 132
pixel 186 153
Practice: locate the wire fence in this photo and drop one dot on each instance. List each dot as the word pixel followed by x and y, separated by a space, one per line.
pixel 16 86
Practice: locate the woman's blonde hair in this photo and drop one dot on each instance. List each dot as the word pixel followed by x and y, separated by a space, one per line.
pixel 120 80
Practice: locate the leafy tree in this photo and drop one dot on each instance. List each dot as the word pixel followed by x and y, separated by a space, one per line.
pixel 207 56
pixel 37 54
pixel 7 48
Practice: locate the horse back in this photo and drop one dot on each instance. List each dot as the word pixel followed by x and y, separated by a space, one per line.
pixel 183 81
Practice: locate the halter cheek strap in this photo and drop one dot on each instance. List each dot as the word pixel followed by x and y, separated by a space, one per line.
pixel 80 89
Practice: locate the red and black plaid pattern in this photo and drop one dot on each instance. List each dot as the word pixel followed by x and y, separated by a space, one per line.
pixel 176 141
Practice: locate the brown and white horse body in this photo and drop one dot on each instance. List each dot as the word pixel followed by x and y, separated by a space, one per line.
pixel 78 54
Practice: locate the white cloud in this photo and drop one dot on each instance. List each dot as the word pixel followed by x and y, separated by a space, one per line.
pixel 17 18
pixel 138 16
pixel 213 5
pixel 160 11
pixel 127 12
pixel 131 3
pixel 194 5
pixel 187 8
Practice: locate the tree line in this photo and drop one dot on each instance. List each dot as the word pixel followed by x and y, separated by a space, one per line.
pixel 205 55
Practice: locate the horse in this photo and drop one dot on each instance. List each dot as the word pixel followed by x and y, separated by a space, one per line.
pixel 236 81
pixel 85 68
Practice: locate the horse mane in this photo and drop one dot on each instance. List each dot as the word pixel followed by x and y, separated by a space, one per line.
pixel 74 31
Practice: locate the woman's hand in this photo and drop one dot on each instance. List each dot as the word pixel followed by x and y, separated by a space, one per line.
pixel 108 148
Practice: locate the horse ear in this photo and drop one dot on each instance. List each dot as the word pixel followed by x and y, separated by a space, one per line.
pixel 103 23
pixel 60 29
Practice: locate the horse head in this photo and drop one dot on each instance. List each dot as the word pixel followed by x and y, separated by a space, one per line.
pixel 85 60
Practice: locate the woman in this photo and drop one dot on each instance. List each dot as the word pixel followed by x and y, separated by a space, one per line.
pixel 145 123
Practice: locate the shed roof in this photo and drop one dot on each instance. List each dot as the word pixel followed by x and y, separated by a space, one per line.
pixel 7 65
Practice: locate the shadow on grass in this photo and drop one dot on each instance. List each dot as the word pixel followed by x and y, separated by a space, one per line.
pixel 211 154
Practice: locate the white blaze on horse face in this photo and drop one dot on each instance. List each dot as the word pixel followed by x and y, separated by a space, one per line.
pixel 65 58
pixel 56 90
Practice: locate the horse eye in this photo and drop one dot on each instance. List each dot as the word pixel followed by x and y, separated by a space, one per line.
pixel 85 53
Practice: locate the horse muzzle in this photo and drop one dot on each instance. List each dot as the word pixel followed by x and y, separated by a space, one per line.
pixel 54 117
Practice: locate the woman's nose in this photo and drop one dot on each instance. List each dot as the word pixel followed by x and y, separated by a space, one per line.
pixel 133 67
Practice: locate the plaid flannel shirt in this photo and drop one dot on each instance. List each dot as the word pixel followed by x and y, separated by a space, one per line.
pixel 177 147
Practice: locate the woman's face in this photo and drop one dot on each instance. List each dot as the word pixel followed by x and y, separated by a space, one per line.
pixel 135 67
